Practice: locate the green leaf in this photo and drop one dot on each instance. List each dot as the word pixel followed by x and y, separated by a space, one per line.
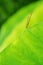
pixel 17 18
pixel 23 46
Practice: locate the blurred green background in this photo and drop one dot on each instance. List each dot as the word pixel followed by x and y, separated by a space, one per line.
pixel 9 7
